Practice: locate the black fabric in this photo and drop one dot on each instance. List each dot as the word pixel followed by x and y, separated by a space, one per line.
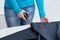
pixel 27 34
pixel 47 30
pixel 38 31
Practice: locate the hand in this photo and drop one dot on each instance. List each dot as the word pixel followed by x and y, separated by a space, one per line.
pixel 44 19
pixel 21 14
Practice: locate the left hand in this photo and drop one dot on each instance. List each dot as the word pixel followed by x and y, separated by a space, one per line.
pixel 44 19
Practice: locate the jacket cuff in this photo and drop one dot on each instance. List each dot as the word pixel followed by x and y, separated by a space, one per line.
pixel 17 11
pixel 42 16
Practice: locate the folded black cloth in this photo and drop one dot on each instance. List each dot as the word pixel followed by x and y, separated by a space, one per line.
pixel 38 31
pixel 47 30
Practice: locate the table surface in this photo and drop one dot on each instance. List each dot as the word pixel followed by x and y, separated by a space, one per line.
pixel 8 31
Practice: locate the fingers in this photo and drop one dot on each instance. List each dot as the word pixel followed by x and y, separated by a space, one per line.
pixel 21 14
pixel 24 17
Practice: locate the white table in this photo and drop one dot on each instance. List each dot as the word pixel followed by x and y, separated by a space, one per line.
pixel 8 31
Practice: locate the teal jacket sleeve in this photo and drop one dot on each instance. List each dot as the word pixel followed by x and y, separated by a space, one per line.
pixel 40 5
pixel 15 6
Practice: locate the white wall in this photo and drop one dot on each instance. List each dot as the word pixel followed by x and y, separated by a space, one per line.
pixel 2 17
pixel 1 6
pixel 52 8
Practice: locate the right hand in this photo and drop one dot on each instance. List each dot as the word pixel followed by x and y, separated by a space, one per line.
pixel 45 19
pixel 21 14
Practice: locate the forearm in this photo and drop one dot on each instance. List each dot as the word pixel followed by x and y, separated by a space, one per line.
pixel 15 6
pixel 40 5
